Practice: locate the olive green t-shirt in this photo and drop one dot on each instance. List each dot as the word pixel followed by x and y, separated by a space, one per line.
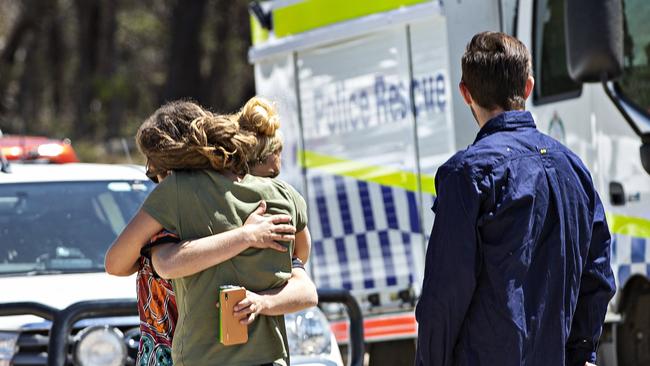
pixel 198 203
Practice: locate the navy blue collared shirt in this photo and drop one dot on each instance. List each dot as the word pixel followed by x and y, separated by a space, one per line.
pixel 518 265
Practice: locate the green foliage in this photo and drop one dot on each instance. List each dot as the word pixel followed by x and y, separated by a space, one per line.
pixel 94 70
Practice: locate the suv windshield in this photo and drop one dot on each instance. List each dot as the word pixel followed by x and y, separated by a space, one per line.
pixel 635 83
pixel 63 227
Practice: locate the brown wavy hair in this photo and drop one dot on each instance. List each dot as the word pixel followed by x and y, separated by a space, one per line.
pixel 183 135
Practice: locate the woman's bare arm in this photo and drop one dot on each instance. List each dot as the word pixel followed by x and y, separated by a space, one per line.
pixel 302 247
pixel 297 294
pixel 192 256
pixel 121 258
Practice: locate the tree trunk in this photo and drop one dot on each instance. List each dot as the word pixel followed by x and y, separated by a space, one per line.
pixel 32 85
pixel 184 75
pixel 214 88
pixel 244 73
pixel 30 95
pixel 56 55
pixel 88 33
pixel 107 68
pixel 230 81
pixel 23 27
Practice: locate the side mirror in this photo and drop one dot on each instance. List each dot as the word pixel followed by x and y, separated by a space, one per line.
pixel 645 153
pixel 594 39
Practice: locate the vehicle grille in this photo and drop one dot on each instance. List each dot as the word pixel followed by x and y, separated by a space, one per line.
pixel 32 346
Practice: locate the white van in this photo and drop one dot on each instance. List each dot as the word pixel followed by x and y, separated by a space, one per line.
pixel 367 93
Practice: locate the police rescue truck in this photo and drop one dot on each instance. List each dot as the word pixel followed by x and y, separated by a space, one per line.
pixel 367 91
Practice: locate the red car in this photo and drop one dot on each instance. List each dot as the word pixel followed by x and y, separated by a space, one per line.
pixel 37 149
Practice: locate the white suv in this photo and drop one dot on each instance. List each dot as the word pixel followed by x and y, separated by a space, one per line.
pixel 56 223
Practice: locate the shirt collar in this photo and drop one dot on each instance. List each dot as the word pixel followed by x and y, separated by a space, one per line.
pixel 508 120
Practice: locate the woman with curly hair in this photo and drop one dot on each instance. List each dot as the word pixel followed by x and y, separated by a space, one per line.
pixel 207 195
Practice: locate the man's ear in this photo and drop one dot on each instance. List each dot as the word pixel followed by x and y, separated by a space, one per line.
pixel 465 93
pixel 530 84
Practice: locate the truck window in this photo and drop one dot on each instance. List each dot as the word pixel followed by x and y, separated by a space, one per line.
pixel 552 78
pixel 635 82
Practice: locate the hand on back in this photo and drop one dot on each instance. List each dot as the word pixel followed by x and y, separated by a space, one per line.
pixel 265 231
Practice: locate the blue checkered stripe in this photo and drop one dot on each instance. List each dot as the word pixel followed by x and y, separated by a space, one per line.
pixel 630 256
pixel 366 237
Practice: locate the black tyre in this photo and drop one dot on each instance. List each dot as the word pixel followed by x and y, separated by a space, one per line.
pixel 633 335
pixel 393 353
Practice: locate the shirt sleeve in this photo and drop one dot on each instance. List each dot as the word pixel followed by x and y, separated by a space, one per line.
pixel 597 287
pixel 162 203
pixel 301 208
pixel 451 270
pixel 163 237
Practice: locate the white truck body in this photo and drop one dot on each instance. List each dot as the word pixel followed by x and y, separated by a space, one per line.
pixel 370 109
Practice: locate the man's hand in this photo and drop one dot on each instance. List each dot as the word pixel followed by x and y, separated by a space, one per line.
pixel 249 308
pixel 264 231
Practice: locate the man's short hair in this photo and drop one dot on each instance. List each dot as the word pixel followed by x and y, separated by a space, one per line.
pixel 495 69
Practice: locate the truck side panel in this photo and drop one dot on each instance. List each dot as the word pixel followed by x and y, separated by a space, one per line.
pixel 362 166
pixel 275 80
pixel 432 106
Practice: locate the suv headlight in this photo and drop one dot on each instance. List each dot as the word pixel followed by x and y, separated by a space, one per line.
pixel 7 347
pixel 100 346
pixel 308 333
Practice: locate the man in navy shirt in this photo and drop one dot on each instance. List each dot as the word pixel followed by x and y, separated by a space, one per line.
pixel 518 265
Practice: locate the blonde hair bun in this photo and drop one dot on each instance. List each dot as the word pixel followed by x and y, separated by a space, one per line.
pixel 259 116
